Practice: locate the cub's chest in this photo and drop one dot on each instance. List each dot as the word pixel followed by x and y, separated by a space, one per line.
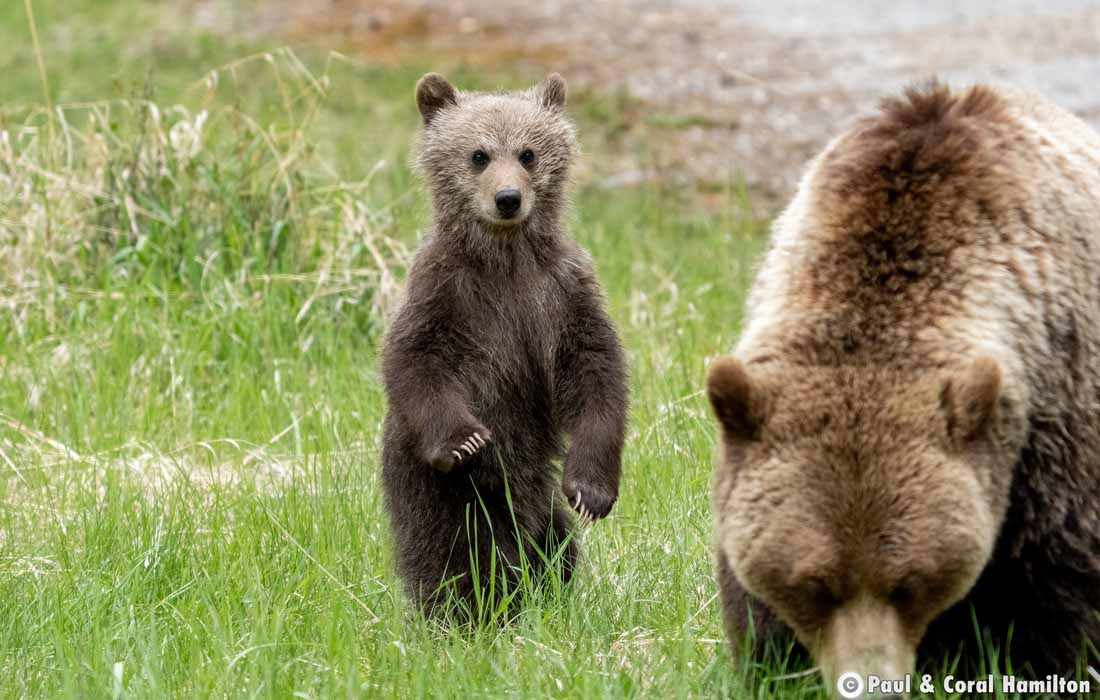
pixel 520 324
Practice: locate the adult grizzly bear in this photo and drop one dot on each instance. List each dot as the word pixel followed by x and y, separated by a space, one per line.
pixel 911 427
pixel 501 349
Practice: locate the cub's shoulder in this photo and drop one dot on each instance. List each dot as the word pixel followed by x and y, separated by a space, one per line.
pixel 575 261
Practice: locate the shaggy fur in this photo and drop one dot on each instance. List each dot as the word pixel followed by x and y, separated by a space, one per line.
pixel 501 349
pixel 911 426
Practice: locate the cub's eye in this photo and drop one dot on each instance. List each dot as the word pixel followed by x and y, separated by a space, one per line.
pixel 480 158
pixel 527 157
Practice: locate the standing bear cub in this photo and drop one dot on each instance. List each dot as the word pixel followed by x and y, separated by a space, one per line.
pixel 500 351
pixel 910 427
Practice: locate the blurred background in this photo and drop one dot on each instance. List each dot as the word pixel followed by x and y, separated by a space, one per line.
pixel 749 88
pixel 725 89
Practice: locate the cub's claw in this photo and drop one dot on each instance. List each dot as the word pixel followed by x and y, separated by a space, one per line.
pixel 452 456
pixel 471 445
pixel 586 518
pixel 590 500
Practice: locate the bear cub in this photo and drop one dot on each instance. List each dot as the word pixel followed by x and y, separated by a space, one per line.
pixel 500 351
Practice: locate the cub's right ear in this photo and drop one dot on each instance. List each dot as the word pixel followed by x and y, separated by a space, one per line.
pixel 552 92
pixel 433 93
pixel 736 402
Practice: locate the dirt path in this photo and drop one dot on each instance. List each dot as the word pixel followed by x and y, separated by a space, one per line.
pixel 757 85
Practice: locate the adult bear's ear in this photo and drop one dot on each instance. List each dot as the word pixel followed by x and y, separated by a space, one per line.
pixel 433 93
pixel 969 399
pixel 551 92
pixel 738 403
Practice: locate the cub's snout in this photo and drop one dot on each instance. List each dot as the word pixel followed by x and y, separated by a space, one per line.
pixel 508 202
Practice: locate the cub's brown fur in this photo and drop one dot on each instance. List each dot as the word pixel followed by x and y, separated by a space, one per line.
pixel 501 349
pixel 911 427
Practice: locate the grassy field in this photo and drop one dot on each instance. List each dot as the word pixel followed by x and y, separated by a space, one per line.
pixel 200 238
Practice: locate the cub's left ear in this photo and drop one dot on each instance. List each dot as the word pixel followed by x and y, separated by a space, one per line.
pixel 551 92
pixel 970 398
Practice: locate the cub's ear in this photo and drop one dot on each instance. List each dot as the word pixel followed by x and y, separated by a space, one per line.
pixel 970 398
pixel 433 93
pixel 551 92
pixel 737 403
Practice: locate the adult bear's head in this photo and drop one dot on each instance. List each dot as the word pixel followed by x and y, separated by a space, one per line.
pixel 859 502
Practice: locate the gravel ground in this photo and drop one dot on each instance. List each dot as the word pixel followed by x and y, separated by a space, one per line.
pixel 749 88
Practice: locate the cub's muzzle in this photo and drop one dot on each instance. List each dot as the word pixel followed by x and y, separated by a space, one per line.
pixel 508 203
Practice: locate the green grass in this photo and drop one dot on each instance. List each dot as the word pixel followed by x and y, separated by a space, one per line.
pixel 190 404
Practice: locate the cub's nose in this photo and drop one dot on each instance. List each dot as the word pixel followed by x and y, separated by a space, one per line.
pixel 508 202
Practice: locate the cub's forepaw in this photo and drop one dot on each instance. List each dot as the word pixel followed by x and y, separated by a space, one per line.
pixel 460 449
pixel 591 501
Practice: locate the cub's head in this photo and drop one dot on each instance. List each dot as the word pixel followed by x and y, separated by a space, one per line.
pixel 497 158
pixel 859 503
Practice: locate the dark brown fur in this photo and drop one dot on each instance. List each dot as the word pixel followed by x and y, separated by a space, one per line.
pixel 502 333
pixel 918 394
